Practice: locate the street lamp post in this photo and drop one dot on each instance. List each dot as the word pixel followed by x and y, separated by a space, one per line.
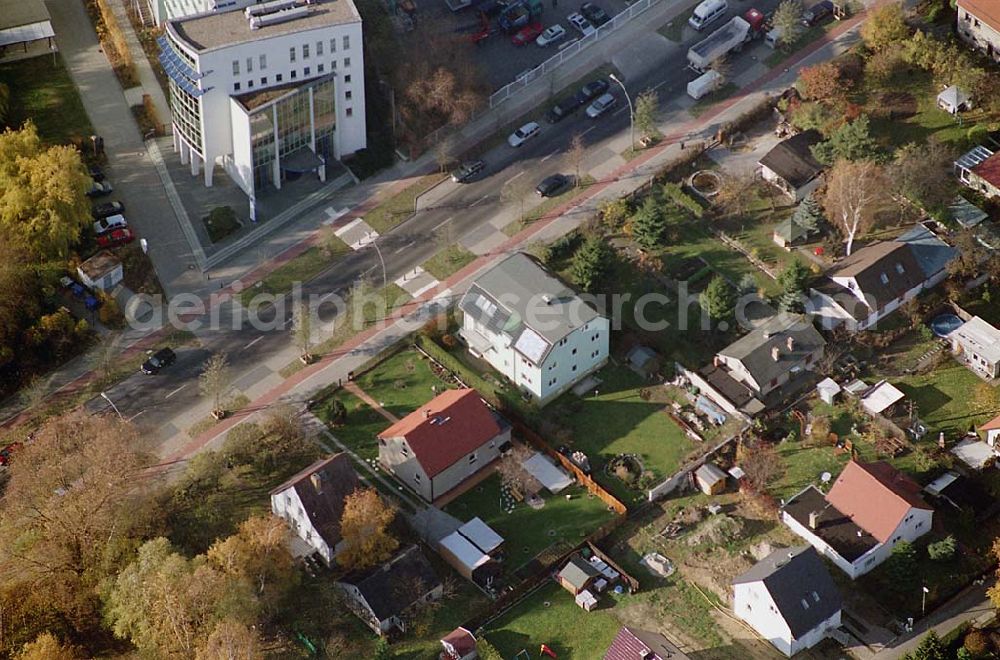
pixel 923 600
pixel 113 406
pixel 631 112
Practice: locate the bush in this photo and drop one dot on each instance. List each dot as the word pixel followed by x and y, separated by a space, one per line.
pixel 977 643
pixel 942 550
pixel 335 412
pixel 676 194
pixel 221 222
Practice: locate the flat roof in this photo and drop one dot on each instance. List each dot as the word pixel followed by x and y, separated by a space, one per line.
pixel 16 13
pixel 216 29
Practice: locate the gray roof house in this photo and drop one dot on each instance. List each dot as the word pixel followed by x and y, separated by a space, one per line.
pixel 577 574
pixel 791 166
pixel 977 344
pixel 750 373
pixel 381 596
pixel 789 598
pixel 533 328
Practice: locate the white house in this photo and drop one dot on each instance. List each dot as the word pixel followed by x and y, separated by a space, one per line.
pixel 312 503
pixel 877 279
pixel 449 439
pixel 789 598
pixel 870 508
pixel 979 169
pixel 992 431
pixel 102 271
pixel 268 91
pixel 979 25
pixel 534 329
pixel 977 344
pixel 791 166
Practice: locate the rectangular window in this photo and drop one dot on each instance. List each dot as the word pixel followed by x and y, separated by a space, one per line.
pixel 279 77
pixel 416 477
pixel 291 54
pixel 249 83
pixel 249 65
pixel 236 86
pixel 472 459
pixel 319 48
pixel 347 78
pixel 347 94
pixel 263 62
pixel 347 41
pixel 306 71
pixel 333 65
pixel 333 45
pixel 295 74
pixel 319 67
pixel 404 451
pixel 305 51
pixel 236 67
pixel 263 81
pixel 347 62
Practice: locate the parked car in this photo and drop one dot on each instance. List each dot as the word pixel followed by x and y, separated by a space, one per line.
pixel 99 188
pixel 581 24
pixel 523 134
pixel 551 35
pixel 817 13
pixel 563 109
pixel 550 185
pixel 596 15
pixel 467 170
pixel 106 209
pixel 592 90
pixel 158 360
pixel 527 34
pixel 111 222
pixel 116 237
pixel 96 173
pixel 601 105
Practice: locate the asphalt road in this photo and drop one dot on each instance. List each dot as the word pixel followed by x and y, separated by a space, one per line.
pixel 467 207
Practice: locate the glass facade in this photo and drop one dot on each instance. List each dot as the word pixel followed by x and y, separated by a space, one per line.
pixel 186 111
pixel 285 125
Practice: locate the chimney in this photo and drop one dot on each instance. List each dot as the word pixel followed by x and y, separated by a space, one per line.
pixel 317 481
pixel 427 414
pixel 813 522
pixel 716 361
pixel 790 343
pixel 775 353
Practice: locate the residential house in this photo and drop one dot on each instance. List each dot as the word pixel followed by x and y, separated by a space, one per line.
pixel 312 503
pixel 637 644
pixel 434 449
pixel 954 100
pixel 877 279
pixel 382 596
pixel 578 575
pixel 979 25
pixel 791 166
pixel 103 271
pixel 459 644
pixel 533 328
pixel 979 169
pixel 977 344
pixel 789 233
pixel 992 431
pixel 789 598
pixel 759 363
pixel 870 508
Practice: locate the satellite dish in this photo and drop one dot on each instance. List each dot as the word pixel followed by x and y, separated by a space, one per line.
pixel 825 477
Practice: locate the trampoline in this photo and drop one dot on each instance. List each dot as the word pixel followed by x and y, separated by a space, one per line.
pixel 945 324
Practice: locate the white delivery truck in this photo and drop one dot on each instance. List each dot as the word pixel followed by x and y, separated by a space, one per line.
pixel 704 84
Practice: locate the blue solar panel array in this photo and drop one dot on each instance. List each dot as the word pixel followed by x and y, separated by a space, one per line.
pixel 179 70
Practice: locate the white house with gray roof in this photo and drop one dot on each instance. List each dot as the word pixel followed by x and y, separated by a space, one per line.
pixel 789 598
pixel 977 344
pixel 533 328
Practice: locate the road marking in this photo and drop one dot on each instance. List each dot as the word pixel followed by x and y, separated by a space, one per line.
pixel 349 226
pixel 135 415
pixel 176 391
pixel 659 85
pixel 478 201
pixel 424 289
pixel 403 247
pixel 587 131
pixel 332 216
pixel 620 110
pixel 512 178
pixel 254 341
pixel 550 155
pixel 286 321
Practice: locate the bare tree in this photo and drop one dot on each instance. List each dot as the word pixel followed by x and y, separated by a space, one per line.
pixel 34 393
pixel 761 465
pixel 302 330
pixel 737 193
pixel 512 472
pixel 516 191
pixel 105 356
pixel 854 194
pixel 215 381
pixel 575 153
pixel 444 153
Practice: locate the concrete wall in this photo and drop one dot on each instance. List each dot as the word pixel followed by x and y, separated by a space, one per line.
pixel 397 457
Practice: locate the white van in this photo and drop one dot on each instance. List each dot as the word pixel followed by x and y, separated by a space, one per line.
pixel 708 12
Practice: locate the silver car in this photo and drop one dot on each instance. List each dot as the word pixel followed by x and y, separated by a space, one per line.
pixel 601 105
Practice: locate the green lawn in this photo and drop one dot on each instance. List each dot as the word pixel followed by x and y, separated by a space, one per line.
pixel 400 206
pixel 528 531
pixel 449 261
pixel 697 241
pixel 945 398
pixel 549 616
pixel 617 421
pixel 42 91
pixel 804 463
pixel 549 203
pixel 300 269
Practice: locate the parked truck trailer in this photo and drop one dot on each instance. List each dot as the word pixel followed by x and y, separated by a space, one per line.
pixel 727 39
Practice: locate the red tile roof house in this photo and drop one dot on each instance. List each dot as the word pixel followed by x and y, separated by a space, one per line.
pixel 459 644
pixel 992 431
pixel 312 502
pixel 445 442
pixel 979 169
pixel 870 508
pixel 979 25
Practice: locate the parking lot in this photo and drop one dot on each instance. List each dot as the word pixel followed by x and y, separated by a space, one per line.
pixel 500 60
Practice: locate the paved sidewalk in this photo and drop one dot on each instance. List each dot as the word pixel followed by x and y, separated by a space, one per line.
pixel 148 84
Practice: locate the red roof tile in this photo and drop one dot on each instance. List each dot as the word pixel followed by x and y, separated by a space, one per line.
pixel 636 644
pixel 448 428
pixel 987 11
pixel 989 169
pixel 876 496
pixel 461 640
pixel 991 425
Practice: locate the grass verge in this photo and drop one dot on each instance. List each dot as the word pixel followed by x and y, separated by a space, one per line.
pixel 42 91
pixel 448 261
pixel 538 212
pixel 302 268
pixel 400 206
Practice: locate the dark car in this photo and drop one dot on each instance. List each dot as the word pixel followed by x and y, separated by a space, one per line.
pixel 161 358
pixel 96 173
pixel 467 170
pixel 592 90
pixel 594 14
pixel 550 185
pixel 99 189
pixel 563 109
pixel 107 209
pixel 817 13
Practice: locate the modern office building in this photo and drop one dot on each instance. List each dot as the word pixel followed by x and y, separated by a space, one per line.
pixel 266 90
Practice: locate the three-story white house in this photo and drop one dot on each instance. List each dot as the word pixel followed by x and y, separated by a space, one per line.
pixel 267 90
pixel 979 25
pixel 533 328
